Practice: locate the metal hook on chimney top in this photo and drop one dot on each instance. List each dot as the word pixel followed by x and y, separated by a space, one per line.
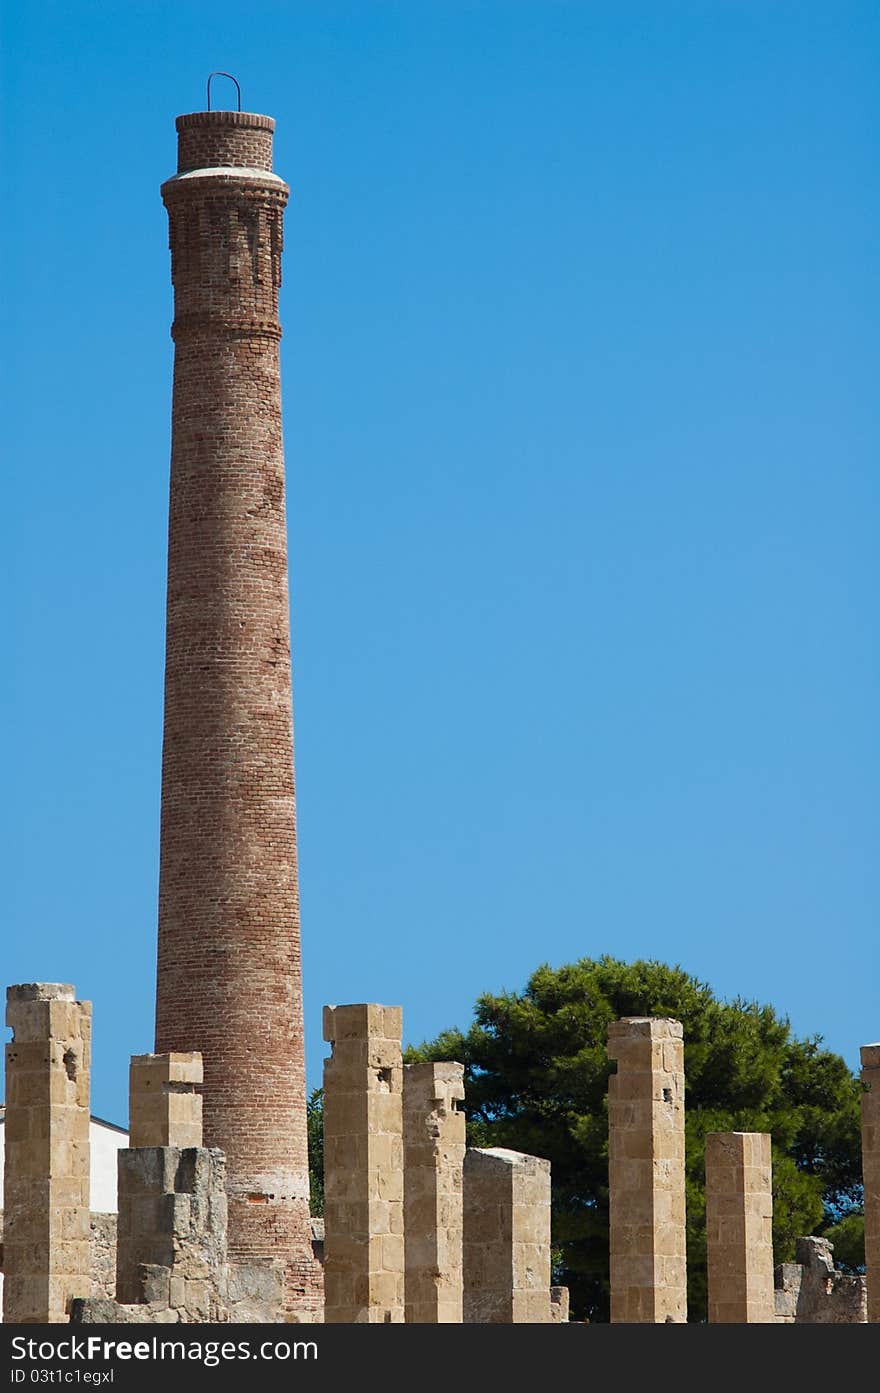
pixel 231 79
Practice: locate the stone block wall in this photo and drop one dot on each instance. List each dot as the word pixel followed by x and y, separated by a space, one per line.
pixel 171 1246
pixel 102 1254
pixel 811 1291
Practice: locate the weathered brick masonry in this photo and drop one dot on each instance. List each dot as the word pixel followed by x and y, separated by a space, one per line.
pixel 229 981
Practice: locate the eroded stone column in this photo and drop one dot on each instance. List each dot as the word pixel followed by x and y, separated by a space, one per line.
pixel 171 1238
pixel 559 1303
pixel 506 1238
pixel 172 1230
pixel 739 1227
pixel 46 1179
pixel 164 1108
pixel 871 1173
pixel 646 1171
pixel 363 1165
pixel 434 1145
pixel 811 1291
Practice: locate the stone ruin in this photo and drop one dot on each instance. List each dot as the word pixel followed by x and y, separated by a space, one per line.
pixel 811 1290
pixel 418 1228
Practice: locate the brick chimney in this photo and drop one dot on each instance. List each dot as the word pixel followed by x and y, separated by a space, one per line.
pixel 229 977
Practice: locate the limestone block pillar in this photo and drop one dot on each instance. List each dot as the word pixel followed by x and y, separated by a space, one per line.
pixel 164 1108
pixel 171 1237
pixel 363 1165
pixel 646 1171
pixel 506 1238
pixel 46 1179
pixel 433 1155
pixel 739 1227
pixel 871 1173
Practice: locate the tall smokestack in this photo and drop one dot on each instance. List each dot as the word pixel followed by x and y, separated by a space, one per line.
pixel 229 979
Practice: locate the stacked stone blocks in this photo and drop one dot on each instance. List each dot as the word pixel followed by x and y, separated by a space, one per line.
pixel 506 1238
pixel 434 1147
pixel 739 1227
pixel 171 1259
pixel 164 1107
pixel 363 1165
pixel 46 1183
pixel 171 1245
pixel 646 1171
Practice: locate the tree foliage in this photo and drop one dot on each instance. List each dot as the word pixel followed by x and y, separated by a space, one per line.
pixel 536 1075
pixel 315 1132
pixel 848 1237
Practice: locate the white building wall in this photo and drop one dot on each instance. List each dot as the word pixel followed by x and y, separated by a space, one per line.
pixel 104 1140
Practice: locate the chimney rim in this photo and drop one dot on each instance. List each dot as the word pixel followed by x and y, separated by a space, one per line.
pixel 247 120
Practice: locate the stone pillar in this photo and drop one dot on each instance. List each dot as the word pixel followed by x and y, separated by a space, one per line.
pixel 739 1227
pixel 229 970
pixel 46 1180
pixel 363 1165
pixel 646 1171
pixel 164 1108
pixel 171 1237
pixel 871 1174
pixel 433 1158
pixel 506 1238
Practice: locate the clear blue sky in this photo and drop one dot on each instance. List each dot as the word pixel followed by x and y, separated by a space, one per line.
pixel 580 386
